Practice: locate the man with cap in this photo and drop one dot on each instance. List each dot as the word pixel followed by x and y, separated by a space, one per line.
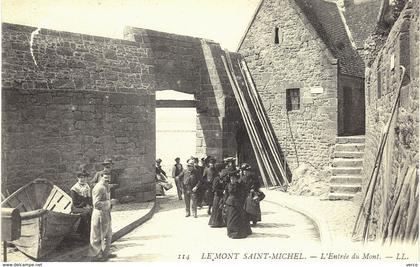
pixel 191 183
pixel 176 171
pixel 107 164
pixel 101 230
pixel 159 170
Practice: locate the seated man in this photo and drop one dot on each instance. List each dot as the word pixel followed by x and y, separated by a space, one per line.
pixel 162 183
pixel 82 203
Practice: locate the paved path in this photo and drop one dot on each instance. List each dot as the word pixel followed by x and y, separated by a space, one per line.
pixel 169 235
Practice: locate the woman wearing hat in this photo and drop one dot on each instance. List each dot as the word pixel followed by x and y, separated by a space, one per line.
pixel 236 219
pixel 208 177
pixel 252 202
pixel 82 203
pixel 219 187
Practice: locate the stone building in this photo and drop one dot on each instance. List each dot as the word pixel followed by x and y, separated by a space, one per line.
pixel 311 80
pixel 71 99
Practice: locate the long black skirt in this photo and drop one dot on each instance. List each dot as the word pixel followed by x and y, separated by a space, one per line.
pixel 216 218
pixel 253 209
pixel 208 197
pixel 237 222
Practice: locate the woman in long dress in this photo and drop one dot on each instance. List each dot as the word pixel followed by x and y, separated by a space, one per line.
pixel 219 186
pixel 216 217
pixel 209 175
pixel 252 202
pixel 236 217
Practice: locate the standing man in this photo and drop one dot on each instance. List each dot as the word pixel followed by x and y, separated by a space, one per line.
pixel 101 231
pixel 177 169
pixel 191 184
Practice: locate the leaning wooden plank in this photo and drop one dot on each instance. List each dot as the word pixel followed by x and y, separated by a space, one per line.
pixel 253 143
pixel 265 157
pixel 389 227
pixel 375 171
pixel 254 132
pixel 263 120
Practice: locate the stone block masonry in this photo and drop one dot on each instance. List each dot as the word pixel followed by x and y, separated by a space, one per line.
pixel 71 99
pixel 194 66
pixel 299 60
pixel 382 81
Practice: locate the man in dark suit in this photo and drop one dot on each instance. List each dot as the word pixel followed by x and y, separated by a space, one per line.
pixel 191 184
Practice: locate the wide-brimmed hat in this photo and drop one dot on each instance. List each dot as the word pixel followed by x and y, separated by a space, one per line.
pixel 177 158
pixel 229 159
pixel 158 161
pixel 107 162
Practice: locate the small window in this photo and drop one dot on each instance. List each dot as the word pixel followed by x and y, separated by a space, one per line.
pixel 293 99
pixel 276 35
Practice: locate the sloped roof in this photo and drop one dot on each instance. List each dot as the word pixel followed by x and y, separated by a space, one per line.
pixel 326 19
pixel 362 18
pixel 328 23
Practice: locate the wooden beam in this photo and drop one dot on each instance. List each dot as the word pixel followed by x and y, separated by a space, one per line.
pixel 176 103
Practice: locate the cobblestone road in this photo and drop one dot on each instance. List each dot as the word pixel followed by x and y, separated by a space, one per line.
pixel 170 236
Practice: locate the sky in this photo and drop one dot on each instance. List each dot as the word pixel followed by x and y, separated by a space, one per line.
pixel 223 21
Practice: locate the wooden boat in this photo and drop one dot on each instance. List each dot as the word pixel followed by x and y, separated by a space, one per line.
pixel 46 217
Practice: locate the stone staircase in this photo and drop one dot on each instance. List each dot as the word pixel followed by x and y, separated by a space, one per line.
pixel 347 164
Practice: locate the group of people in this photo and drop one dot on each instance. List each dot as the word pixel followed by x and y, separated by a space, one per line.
pixel 91 198
pixel 232 194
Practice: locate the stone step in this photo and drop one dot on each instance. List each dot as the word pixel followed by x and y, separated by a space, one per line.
pixel 345 171
pixel 350 139
pixel 343 162
pixel 340 196
pixel 348 155
pixel 345 188
pixel 346 179
pixel 350 147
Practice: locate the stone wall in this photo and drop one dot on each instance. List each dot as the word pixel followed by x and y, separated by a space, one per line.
pixel 193 65
pixel 71 99
pixel 300 60
pixel 401 150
